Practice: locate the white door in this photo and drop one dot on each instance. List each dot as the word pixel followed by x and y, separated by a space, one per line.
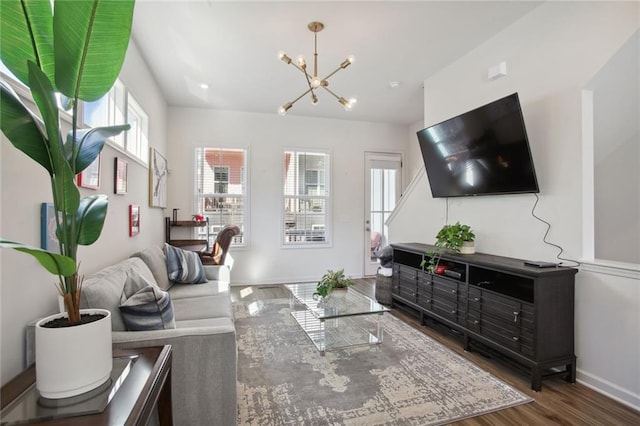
pixel 383 183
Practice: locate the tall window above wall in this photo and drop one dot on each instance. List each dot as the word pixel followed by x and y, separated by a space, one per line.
pixel 611 138
pixel 306 198
pixel 221 190
pixel 118 107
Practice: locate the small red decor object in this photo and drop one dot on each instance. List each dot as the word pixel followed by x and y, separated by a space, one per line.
pixel 198 218
pixel 441 268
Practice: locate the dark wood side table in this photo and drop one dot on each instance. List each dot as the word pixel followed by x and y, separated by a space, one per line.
pixel 146 386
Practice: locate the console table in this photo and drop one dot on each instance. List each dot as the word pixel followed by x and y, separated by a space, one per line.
pixel 146 385
pixel 523 312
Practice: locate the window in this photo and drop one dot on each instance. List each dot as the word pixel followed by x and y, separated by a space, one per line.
pixel 117 107
pixel 611 133
pixel 221 179
pixel 221 190
pixel 137 141
pixel 306 198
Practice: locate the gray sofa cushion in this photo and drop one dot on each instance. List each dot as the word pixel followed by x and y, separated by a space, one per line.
pixel 211 288
pixel 104 288
pixel 184 266
pixel 155 258
pixel 148 308
pixel 202 307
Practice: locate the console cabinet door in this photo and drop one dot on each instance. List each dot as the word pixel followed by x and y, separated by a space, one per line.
pixel 507 321
pixel 407 283
pixel 449 300
pixel 425 291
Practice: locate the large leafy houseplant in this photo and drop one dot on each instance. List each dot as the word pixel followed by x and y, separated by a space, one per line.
pixel 76 49
pixel 449 238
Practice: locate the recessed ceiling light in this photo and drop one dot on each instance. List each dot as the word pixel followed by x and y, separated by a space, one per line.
pixel 204 86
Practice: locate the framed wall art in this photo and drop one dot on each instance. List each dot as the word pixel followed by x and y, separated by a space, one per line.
pixel 157 179
pixel 90 177
pixel 134 220
pixel 120 176
pixel 48 239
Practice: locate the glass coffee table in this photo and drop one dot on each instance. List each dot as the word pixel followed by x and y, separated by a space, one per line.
pixel 336 321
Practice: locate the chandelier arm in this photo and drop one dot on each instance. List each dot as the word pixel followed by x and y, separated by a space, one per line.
pixel 298 67
pixel 299 97
pixel 307 76
pixel 331 75
pixel 329 90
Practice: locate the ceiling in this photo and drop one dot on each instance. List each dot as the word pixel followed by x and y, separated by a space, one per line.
pixel 232 47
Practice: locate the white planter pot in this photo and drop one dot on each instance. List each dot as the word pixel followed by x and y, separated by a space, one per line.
pixel 468 247
pixel 338 293
pixel 73 360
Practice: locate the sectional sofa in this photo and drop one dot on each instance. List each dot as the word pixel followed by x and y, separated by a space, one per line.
pixel 203 340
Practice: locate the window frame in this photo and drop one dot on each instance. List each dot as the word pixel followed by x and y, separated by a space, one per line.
pixel 244 170
pixel 327 198
pixel 139 149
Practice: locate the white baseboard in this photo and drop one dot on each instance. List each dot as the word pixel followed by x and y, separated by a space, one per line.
pixel 613 391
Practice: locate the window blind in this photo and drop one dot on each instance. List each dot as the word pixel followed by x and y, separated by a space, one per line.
pixel 221 189
pixel 306 197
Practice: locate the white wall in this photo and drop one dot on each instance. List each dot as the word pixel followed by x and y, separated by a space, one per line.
pixel 551 54
pixel 414 162
pixel 266 136
pixel 616 157
pixel 27 291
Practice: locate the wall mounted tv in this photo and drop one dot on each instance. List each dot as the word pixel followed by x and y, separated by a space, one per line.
pixel 481 152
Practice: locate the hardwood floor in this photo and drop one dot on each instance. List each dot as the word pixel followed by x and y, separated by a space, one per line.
pixel 559 402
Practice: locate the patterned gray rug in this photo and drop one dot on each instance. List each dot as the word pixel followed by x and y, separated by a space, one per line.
pixel 409 379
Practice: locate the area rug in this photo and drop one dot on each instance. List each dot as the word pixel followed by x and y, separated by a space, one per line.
pixel 409 379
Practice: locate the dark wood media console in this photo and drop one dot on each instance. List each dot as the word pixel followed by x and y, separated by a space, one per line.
pixel 522 312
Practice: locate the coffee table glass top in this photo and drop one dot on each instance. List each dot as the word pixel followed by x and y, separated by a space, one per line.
pixel 340 303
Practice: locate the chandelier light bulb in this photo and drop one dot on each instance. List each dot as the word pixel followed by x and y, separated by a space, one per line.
pixel 283 57
pixel 314 100
pixel 301 61
pixel 353 101
pixel 284 108
pixel 315 82
pixel 351 59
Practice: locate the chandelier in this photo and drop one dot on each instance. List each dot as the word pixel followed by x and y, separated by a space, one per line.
pixel 313 81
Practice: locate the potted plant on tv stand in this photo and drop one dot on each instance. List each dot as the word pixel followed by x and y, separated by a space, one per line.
pixel 75 49
pixel 456 238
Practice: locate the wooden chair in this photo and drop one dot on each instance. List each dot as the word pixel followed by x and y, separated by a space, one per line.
pixel 220 247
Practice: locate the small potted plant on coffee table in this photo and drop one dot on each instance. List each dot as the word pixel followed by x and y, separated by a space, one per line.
pixel 456 238
pixel 332 281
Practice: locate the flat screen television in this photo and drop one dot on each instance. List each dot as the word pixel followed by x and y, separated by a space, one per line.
pixel 484 151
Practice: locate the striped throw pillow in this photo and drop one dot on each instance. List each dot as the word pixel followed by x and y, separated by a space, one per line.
pixel 148 309
pixel 184 266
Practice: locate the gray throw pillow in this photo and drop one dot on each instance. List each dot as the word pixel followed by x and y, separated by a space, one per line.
pixel 149 308
pixel 184 266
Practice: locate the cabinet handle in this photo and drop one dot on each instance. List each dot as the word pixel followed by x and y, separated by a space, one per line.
pixel 515 338
pixel 515 316
pixel 454 311
pixel 453 291
pixel 476 299
pixel 476 321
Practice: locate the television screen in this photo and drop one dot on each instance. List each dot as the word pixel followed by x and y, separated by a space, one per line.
pixel 481 152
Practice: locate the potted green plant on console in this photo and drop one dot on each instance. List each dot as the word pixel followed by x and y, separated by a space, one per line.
pixel 331 281
pixel 75 49
pixel 457 238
